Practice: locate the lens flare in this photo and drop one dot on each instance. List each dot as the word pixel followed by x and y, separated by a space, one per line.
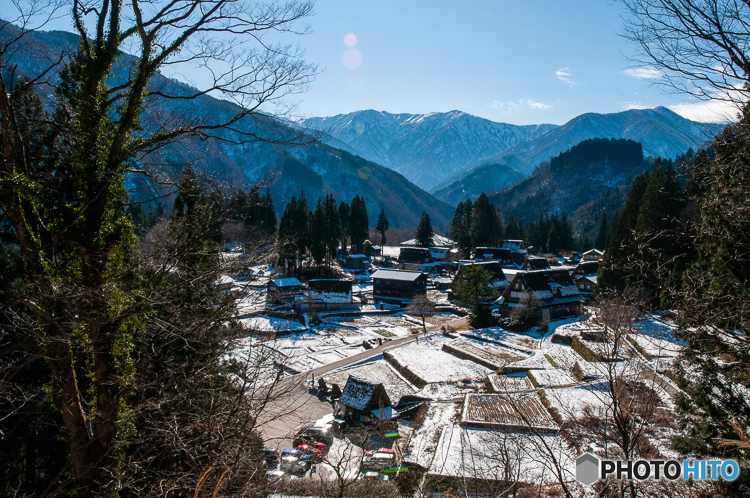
pixel 352 59
pixel 350 39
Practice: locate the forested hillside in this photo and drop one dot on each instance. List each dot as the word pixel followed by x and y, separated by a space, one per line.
pixel 591 177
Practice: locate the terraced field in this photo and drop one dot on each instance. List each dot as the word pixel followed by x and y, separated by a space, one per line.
pixel 484 353
pixel 512 412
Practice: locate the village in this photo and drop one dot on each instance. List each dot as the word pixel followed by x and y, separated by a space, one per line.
pixel 384 379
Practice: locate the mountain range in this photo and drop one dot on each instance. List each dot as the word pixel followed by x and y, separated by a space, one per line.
pixel 425 148
pixel 450 154
pixel 291 160
pixel 388 159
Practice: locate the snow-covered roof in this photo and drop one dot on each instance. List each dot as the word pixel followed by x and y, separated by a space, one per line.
pixel 286 282
pixel 224 280
pixel 358 393
pixel 437 241
pixel 594 251
pixel 514 245
pixel 408 276
pixel 551 286
pixel 358 256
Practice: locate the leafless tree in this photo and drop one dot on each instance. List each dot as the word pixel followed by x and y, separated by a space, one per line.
pixel 696 47
pixel 112 110
pixel 421 305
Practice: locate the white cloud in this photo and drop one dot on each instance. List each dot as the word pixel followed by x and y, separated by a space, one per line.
pixel 512 106
pixel 644 73
pixel 712 111
pixel 633 105
pixel 535 105
pixel 564 76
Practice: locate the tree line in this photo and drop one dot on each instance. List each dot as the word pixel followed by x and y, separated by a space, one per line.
pixel 682 242
pixel 320 232
pixel 599 151
pixel 481 224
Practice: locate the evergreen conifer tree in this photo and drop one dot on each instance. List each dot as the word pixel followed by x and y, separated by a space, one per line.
pixel 332 226
pixel 317 239
pixel 512 232
pixel 344 219
pixel 269 218
pixel 425 233
pixel 553 240
pixel 487 227
pixel 359 224
pixel 472 288
pixel 586 244
pixel 714 308
pixel 382 226
pixel 612 273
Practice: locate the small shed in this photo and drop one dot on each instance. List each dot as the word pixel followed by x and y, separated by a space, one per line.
pixel 359 398
pixel 284 285
pixel 355 261
pixel 224 282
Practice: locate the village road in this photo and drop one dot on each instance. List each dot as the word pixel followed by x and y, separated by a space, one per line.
pixel 295 407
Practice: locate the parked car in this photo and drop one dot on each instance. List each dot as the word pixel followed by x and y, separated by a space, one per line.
pixel 271 454
pixel 310 450
pixel 373 475
pixel 312 435
pixel 294 465
pixel 378 461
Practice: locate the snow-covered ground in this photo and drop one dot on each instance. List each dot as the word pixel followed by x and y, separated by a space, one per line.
pixel 488 454
pixel 429 362
pixel 268 324
pixel 424 441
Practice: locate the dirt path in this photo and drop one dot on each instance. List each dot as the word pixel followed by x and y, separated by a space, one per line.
pixel 295 407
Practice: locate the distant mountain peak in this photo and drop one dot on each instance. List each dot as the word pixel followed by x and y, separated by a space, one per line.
pixel 425 148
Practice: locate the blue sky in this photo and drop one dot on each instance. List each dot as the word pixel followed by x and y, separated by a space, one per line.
pixel 516 62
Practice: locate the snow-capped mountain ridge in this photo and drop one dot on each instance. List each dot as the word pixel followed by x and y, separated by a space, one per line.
pixel 425 148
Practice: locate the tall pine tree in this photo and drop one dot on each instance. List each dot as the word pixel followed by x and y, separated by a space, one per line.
pixel 359 224
pixel 382 226
pixel 425 234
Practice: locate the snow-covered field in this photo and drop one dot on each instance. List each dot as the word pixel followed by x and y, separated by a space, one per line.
pixel 424 441
pixel 488 454
pixel 571 401
pixel 427 361
pixel 552 377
